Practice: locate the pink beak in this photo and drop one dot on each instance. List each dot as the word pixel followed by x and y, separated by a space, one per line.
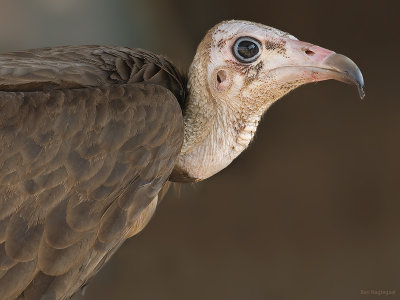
pixel 312 63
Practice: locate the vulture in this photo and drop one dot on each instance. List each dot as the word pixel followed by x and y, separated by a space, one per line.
pixel 91 137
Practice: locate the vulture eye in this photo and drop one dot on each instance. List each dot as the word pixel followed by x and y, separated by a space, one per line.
pixel 246 49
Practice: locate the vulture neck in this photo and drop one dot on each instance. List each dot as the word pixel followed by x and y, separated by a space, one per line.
pixel 215 133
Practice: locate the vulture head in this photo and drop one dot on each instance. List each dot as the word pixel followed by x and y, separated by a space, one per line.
pixel 239 70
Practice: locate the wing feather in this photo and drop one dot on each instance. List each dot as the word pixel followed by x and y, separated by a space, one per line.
pixel 89 136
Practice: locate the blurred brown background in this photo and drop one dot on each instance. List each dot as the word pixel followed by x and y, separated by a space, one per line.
pixel 311 210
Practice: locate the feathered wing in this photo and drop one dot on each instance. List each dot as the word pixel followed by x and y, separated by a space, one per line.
pixel 88 137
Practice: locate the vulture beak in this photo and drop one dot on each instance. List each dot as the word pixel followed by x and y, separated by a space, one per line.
pixel 314 63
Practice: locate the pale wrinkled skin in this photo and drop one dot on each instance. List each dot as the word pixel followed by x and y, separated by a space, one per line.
pixel 221 117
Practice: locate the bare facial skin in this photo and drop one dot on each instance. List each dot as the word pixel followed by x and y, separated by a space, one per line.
pixel 239 70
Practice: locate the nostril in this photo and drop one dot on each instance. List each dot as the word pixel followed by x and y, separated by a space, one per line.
pixel 309 52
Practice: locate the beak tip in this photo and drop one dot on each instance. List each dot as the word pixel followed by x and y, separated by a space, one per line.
pixel 360 84
pixel 361 91
pixel 349 70
pixel 358 79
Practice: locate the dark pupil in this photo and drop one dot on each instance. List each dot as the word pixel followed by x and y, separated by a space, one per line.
pixel 247 49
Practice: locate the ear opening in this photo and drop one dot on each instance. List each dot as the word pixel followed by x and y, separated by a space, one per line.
pixel 222 80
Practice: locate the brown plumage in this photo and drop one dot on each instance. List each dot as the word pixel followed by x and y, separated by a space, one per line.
pixel 90 135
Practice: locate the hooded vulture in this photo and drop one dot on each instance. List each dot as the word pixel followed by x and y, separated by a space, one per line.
pixel 91 136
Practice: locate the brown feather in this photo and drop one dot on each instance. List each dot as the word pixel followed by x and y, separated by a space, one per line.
pixel 89 137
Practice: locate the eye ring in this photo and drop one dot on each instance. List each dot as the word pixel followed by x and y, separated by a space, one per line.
pixel 247 49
